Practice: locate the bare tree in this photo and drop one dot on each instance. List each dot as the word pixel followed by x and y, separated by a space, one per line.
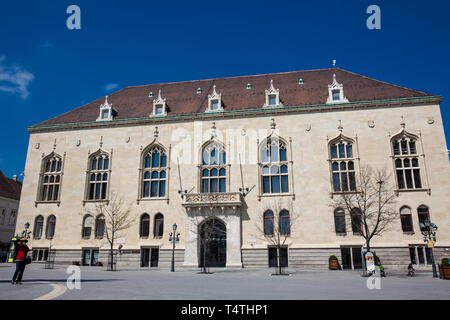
pixel 372 206
pixel 117 218
pixel 275 226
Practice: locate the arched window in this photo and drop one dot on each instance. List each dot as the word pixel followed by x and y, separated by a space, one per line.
pixel 144 225
pixel 154 173
pixel 406 219
pixel 2 216
pixel 342 162
pixel 274 166
pixel 424 217
pixel 406 160
pixel 268 223
pixel 285 223
pixel 100 226
pixel 339 220
pixel 38 227
pixel 51 175
pixel 98 176
pixel 159 226
pixel 356 217
pixel 51 224
pixel 213 169
pixel 87 227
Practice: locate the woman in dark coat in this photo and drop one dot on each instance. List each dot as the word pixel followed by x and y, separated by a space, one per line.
pixel 22 250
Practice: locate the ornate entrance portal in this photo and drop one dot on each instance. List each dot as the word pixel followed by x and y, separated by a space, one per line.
pixel 213 243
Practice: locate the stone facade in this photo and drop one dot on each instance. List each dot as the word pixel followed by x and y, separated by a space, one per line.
pixel 306 132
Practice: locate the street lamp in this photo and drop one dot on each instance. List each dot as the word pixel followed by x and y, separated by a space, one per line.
pixel 174 238
pixel 428 230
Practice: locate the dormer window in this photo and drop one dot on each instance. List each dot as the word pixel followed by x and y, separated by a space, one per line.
pixel 107 112
pixel 214 101
pixel 336 92
pixel 159 106
pixel 272 97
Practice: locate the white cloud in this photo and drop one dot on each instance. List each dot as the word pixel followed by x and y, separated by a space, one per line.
pixel 14 79
pixel 111 86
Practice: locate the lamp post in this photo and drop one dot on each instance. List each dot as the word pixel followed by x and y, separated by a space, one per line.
pixel 428 230
pixel 174 238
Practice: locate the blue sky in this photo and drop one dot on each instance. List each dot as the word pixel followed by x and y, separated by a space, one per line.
pixel 47 69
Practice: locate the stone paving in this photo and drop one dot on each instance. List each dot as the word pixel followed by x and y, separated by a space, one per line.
pixel 224 284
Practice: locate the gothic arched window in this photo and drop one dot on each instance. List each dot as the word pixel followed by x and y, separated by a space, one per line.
pixel 98 176
pixel 268 223
pixel 158 226
pixel 339 221
pixel 51 224
pixel 50 181
pixel 406 161
pixel 274 166
pixel 87 227
pixel 144 230
pixel 38 227
pixel 100 226
pixel 154 172
pixel 213 169
pixel 285 223
pixel 342 160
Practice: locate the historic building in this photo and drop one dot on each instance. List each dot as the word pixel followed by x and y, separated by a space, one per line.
pixel 9 204
pixel 238 154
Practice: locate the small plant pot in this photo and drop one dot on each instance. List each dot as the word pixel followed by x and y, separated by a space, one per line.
pixel 333 264
pixel 444 272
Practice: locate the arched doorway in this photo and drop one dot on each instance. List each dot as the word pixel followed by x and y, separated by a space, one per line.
pixel 213 243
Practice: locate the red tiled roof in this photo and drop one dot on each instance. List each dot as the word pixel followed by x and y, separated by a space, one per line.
pixel 182 97
pixel 9 188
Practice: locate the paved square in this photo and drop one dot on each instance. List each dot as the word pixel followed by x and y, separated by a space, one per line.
pixel 241 284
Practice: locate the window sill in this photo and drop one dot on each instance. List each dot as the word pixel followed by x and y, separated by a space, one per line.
pixel 97 200
pixel 397 191
pixel 408 232
pixel 58 202
pixel 270 195
pixel 157 237
pixel 341 234
pixel 153 199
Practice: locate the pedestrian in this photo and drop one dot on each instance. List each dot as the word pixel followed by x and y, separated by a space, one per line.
pixel 22 250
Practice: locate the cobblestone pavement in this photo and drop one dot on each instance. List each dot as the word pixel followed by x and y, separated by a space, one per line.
pixel 238 284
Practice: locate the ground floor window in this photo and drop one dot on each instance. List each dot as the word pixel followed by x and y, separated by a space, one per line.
pixel 90 257
pixel 149 257
pixel 40 254
pixel 351 257
pixel 420 255
pixel 273 257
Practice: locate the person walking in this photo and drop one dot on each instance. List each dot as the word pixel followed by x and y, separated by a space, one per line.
pixel 22 250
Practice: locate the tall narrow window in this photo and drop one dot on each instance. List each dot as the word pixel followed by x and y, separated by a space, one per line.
pixel 159 226
pixel 424 217
pixel 154 173
pixel 285 223
pixel 98 176
pixel 38 227
pixel 339 221
pixel 406 219
pixel 51 223
pixel 145 225
pixel 356 220
pixel 213 169
pixel 406 160
pixel 51 178
pixel 342 165
pixel 274 167
pixel 100 226
pixel 268 223
pixel 87 227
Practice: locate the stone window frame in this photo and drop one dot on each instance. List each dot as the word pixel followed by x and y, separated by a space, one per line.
pixel 208 146
pixel 402 213
pixel 37 236
pixel 333 88
pixel 52 157
pixel 48 225
pixel 341 138
pixel 272 92
pixel 419 155
pixel 268 215
pixel 289 163
pixel 83 226
pixel 142 235
pixel 12 217
pixel 142 169
pixel 159 101
pixel 341 213
pixel 100 218
pixel 111 111
pixel 156 233
pixel 89 171
pixel 214 97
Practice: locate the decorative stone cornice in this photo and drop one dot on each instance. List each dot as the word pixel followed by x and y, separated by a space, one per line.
pixel 220 199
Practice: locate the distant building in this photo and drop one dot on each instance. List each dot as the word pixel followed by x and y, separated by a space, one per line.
pixel 9 204
pixel 294 139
